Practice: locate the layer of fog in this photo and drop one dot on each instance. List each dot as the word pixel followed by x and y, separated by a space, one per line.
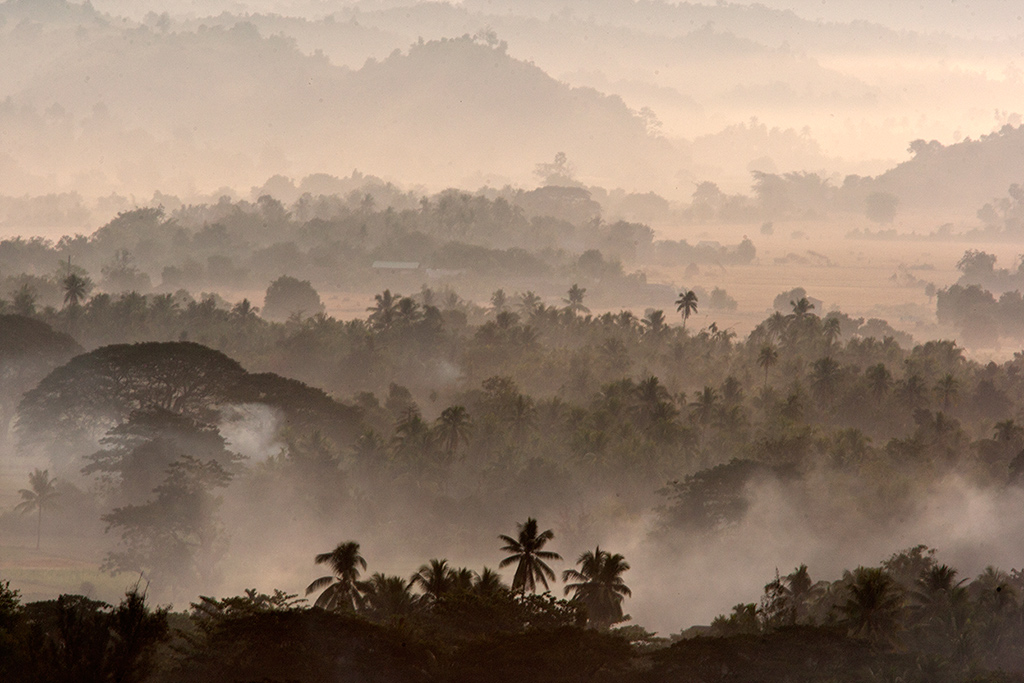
pixel 837 98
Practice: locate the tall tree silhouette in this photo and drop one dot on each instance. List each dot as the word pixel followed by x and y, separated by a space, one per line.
pixel 435 579
pixel 40 495
pixel 575 300
pixel 75 289
pixel 528 551
pixel 766 359
pixel 599 586
pixel 453 427
pixel 387 597
pixel 385 310
pixel 873 605
pixel 686 305
pixel 342 589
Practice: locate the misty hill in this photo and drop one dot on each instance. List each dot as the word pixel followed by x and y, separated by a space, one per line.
pixel 444 110
pixel 966 174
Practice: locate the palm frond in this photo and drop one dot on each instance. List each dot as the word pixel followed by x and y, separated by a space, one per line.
pixel 319 584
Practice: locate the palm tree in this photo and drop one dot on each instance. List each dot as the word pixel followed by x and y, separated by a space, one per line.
pixel 454 427
pixel 528 551
pixel 463 579
pixel 435 578
pixel 776 325
pixel 879 379
pixel 387 597
pixel 825 378
pixel 654 322
pixel 801 307
pixel 342 589
pixel 599 586
pixel 873 605
pixel 499 302
pixel 705 405
pixel 488 582
pixel 913 390
pixel 575 300
pixel 831 330
pixel 1007 431
pixel 41 493
pixel 383 313
pixel 947 388
pixel 244 311
pixel 75 289
pixel 767 359
pixel 686 305
pixel 528 303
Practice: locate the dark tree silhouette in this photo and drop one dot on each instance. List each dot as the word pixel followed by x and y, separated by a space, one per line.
pixel 575 299
pixel 76 288
pixel 41 493
pixel 436 579
pixel 384 312
pixel 599 586
pixel 873 605
pixel 766 359
pixel 686 305
pixel 527 552
pixel 387 597
pixel 174 538
pixel 99 389
pixel 340 590
pixel 287 296
pixel 454 427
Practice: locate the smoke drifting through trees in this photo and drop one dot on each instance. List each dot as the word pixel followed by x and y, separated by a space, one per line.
pixel 582 325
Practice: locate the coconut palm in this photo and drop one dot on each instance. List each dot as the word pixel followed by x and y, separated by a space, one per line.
pixel 825 378
pixel 499 302
pixel 435 579
pixel 879 379
pixel 463 579
pixel 654 322
pixel 527 550
pixel 40 495
pixel 244 311
pixel 686 305
pixel 385 310
pixel 947 389
pixel 873 605
pixel 529 303
pixel 1007 431
pixel 776 325
pixel 387 597
pixel 801 307
pixel 75 289
pixel 767 359
pixel 599 586
pixel 453 427
pixel 575 300
pixel 488 582
pixel 831 330
pixel 342 589
pixel 705 405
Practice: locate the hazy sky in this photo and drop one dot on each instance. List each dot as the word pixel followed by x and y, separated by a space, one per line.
pixel 964 17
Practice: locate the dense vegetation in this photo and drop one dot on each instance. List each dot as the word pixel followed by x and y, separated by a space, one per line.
pixel 180 428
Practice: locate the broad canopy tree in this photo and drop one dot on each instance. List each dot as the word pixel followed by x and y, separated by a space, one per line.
pixel 96 391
